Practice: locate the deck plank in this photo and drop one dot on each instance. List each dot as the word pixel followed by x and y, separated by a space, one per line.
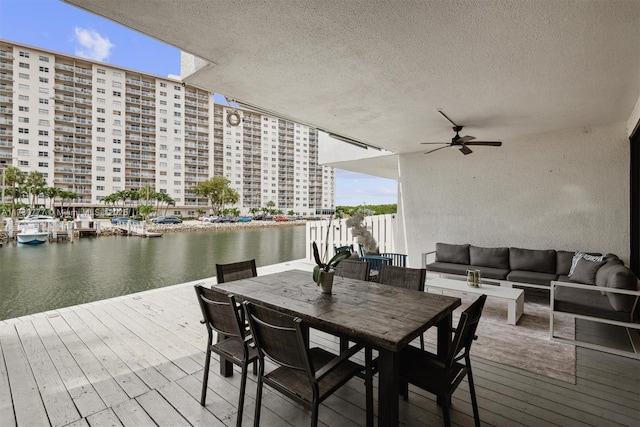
pixel 7 415
pixel 161 411
pixel 131 414
pixel 28 405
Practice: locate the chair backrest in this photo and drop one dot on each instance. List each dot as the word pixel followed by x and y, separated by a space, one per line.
pixel 337 249
pixel 220 312
pixel 466 331
pixel 399 260
pixel 352 269
pixel 279 337
pixel 236 271
pixel 402 277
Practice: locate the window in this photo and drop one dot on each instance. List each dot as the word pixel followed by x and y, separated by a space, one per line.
pixel 101 81
pixel 43 111
pixel 100 159
pixel 116 179
pixel 23 108
pixel 43 100
pixel 100 168
pixel 100 178
pixel 43 90
pixel 100 130
pixel 44 69
pixel 43 122
pixel 117 141
pixel 43 164
pixel 23 119
pixel 43 132
pixel 162 84
pixel 163 93
pixel 116 151
pixel 44 58
pixel 23 65
pixel 99 187
pixel 100 71
pixel 23 97
pixel 24 54
pixel 117 74
pixel 23 152
pixel 116 84
pixel 100 110
pixel 177 105
pixel 176 96
pixel 178 88
pixel 101 120
pixel 116 160
pixel 43 154
pixel 117 93
pixel 23 76
pixel 23 130
pixel 100 90
pixel 23 163
pixel 23 87
pixel 23 141
pixel 116 169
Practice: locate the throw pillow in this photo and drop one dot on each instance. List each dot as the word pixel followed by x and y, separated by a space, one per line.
pixel 585 271
pixel 579 255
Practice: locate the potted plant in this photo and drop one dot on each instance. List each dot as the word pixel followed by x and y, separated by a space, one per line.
pixel 324 272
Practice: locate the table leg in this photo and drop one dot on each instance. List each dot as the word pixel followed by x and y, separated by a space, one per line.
pixel 226 367
pixel 445 333
pixel 388 388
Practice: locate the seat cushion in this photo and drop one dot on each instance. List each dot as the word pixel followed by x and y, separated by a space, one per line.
pixel 621 277
pixel 449 268
pixel 533 277
pixel 587 303
pixel 490 272
pixel 541 261
pixel 455 254
pixel 489 257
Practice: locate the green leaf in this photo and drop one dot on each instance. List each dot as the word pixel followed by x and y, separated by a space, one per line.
pixel 316 255
pixel 337 258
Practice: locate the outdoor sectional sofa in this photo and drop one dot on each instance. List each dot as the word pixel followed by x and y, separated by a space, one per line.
pixel 584 285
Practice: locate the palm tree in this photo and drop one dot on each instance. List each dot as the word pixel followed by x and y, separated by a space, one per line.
pixel 13 178
pixel 66 195
pixel 51 193
pixel 218 191
pixel 147 193
pixel 34 183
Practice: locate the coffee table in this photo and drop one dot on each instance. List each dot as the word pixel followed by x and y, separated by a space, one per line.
pixel 514 297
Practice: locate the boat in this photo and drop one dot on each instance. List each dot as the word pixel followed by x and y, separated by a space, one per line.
pixel 32 236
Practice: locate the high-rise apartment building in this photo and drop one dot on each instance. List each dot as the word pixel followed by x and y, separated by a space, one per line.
pixel 96 129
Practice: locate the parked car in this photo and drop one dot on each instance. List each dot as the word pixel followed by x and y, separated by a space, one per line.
pixel 166 220
pixel 226 219
pixel 244 219
pixel 120 220
pixel 280 218
pixel 211 218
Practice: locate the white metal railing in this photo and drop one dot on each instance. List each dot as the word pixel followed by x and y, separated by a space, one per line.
pixel 382 228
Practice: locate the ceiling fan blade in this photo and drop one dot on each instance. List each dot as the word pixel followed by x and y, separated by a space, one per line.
pixel 447 117
pixel 436 149
pixel 440 143
pixel 486 143
pixel 464 139
pixel 465 150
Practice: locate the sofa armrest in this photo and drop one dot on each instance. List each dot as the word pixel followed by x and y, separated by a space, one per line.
pixel 425 256
pixel 603 289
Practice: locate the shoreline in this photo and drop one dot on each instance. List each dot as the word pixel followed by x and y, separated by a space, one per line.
pixel 189 226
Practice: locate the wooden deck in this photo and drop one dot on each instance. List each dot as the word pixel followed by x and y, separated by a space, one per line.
pixel 137 360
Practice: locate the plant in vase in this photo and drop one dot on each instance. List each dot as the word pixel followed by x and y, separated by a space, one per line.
pixel 323 272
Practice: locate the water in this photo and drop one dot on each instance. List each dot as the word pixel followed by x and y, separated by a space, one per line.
pixel 54 275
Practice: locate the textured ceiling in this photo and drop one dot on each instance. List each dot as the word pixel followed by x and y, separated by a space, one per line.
pixel 377 71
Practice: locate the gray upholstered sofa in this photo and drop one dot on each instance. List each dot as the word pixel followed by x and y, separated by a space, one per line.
pixel 509 266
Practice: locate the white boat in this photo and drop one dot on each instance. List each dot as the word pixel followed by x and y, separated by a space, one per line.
pixel 32 236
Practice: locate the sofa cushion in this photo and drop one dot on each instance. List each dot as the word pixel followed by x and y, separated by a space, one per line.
pixel 621 277
pixel 586 302
pixel 489 257
pixel 490 272
pixel 585 271
pixel 541 261
pixel 448 267
pixel 533 277
pixel 563 262
pixel 456 254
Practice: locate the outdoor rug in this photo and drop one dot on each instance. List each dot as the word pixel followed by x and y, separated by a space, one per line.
pixel 525 345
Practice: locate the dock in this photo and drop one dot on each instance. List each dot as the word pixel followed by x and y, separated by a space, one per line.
pixel 138 360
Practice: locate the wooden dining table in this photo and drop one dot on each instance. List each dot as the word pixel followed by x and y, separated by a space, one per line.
pixel 382 317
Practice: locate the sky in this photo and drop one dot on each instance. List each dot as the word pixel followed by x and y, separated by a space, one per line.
pixel 59 27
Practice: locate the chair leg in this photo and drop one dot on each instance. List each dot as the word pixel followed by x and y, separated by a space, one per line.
pixel 368 380
pixel 256 417
pixel 205 379
pixel 255 367
pixel 314 414
pixel 446 401
pixel 404 389
pixel 243 386
pixel 422 342
pixel 474 401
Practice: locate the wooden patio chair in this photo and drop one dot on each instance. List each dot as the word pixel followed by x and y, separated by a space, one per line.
pixel 307 376
pixel 353 269
pixel 236 271
pixel 222 315
pixel 403 277
pixel 441 377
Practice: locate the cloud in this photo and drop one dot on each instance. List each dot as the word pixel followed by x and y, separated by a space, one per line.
pixel 92 45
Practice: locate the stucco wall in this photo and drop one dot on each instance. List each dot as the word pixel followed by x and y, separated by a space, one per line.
pixel 565 190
